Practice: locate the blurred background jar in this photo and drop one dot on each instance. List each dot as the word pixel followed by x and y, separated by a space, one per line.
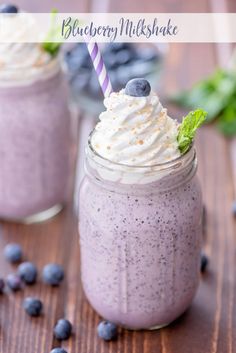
pixel 34 132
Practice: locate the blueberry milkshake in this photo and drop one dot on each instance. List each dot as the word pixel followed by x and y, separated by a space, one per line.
pixel 140 211
pixel 34 127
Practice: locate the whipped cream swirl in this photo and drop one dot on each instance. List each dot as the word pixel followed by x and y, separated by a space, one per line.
pixel 136 131
pixel 21 61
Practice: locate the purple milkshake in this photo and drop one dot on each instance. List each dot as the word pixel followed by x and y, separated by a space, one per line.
pixel 34 133
pixel 140 215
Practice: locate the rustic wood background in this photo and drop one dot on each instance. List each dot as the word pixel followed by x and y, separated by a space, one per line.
pixel 209 326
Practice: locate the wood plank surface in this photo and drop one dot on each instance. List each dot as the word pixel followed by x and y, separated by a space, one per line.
pixel 209 326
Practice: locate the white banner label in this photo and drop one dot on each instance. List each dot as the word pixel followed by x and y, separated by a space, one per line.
pixel 119 27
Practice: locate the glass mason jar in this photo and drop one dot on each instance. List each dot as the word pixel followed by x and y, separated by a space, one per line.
pixel 34 148
pixel 140 238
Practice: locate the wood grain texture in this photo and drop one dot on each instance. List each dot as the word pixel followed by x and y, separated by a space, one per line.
pixel 207 327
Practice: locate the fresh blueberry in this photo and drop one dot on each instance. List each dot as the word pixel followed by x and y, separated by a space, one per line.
pixel 2 285
pixel 53 274
pixel 234 207
pixel 8 8
pixel 107 330
pixel 63 329
pixel 14 282
pixel 33 306
pixel 28 272
pixel 138 87
pixel 204 262
pixel 58 350
pixel 13 252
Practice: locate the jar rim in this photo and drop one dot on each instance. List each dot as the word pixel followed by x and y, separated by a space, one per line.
pixel 162 166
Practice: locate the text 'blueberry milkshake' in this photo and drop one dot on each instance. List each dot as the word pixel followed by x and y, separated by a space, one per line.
pixel 140 211
pixel 34 125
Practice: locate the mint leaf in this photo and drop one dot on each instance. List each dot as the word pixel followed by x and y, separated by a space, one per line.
pixel 188 127
pixel 227 121
pixel 212 94
pixel 50 45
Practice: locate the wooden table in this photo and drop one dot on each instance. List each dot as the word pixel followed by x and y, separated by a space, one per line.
pixel 209 326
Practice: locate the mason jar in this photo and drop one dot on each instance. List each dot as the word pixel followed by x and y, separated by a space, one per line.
pixel 34 148
pixel 140 238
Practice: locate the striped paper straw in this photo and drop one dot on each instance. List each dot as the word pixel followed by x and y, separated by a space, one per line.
pixel 100 68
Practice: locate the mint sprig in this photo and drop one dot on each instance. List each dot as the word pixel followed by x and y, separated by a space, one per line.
pixel 214 94
pixel 51 44
pixel 188 127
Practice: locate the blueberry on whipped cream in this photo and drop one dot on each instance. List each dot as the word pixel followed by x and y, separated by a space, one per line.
pixel 138 87
pixel 135 129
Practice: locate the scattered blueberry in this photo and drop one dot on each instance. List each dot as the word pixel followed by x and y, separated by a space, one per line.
pixel 58 350
pixel 14 282
pixel 62 330
pixel 107 330
pixel 138 87
pixel 53 274
pixel 234 208
pixel 2 285
pixel 8 8
pixel 27 272
pixel 33 306
pixel 13 252
pixel 204 262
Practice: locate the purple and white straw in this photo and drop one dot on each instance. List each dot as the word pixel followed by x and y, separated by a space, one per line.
pixel 100 68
